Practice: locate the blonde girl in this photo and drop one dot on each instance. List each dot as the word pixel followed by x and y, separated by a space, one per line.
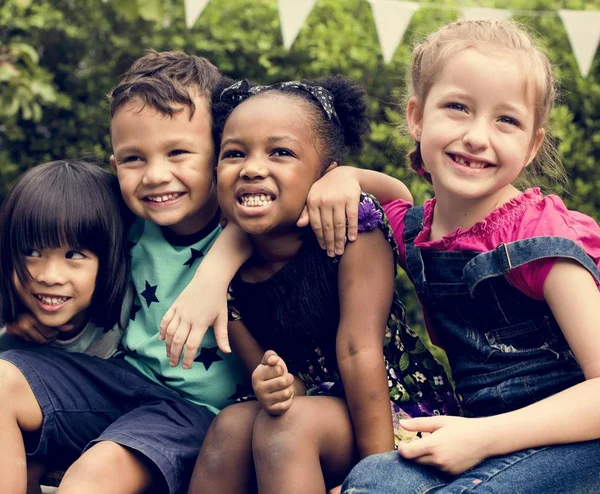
pixel 508 279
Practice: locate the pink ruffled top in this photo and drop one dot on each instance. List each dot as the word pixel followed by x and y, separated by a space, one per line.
pixel 530 214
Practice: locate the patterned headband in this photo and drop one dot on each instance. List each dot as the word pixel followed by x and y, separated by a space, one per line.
pixel 241 90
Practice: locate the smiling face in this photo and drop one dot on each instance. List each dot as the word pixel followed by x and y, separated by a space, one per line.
pixel 267 163
pixel 165 165
pixel 61 286
pixel 477 127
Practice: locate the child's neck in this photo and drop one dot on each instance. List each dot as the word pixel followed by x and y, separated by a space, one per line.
pixel 78 322
pixel 452 213
pixel 271 252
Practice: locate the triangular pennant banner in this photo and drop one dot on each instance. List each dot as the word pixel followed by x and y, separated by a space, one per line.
pixel 391 20
pixel 583 30
pixel 483 14
pixel 292 14
pixel 193 9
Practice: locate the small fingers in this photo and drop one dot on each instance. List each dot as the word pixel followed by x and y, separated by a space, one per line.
pixel 328 231
pixel 170 333
pixel 270 358
pixel 190 349
pixel 339 230
pixel 352 218
pixel 423 424
pixel 281 407
pixel 177 342
pixel 221 331
pixel 314 216
pixel 413 449
pixel 304 218
pixel 164 324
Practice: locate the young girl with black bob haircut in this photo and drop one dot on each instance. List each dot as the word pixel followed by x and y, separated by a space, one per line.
pixel 508 278
pixel 63 258
pixel 333 367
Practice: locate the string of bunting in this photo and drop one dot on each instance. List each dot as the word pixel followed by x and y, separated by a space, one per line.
pixel 393 16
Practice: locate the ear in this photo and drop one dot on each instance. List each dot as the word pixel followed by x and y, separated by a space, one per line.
pixel 414 117
pixel 331 166
pixel 537 141
pixel 113 162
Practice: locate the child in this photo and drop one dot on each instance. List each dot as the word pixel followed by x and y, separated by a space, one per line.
pixel 71 274
pixel 508 279
pixel 137 420
pixel 305 323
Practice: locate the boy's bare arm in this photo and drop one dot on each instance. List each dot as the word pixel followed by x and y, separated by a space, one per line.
pixel 203 303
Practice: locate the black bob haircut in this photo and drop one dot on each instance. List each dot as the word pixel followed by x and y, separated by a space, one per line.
pixel 75 203
pixel 336 136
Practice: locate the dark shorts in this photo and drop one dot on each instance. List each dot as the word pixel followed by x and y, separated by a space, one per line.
pixel 85 400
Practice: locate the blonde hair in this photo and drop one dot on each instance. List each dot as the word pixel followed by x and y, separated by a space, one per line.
pixel 494 37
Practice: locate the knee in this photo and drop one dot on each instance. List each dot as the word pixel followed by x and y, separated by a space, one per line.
pixel 104 464
pixel 230 434
pixel 275 436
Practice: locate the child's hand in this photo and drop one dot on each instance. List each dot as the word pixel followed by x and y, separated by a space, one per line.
pixel 336 490
pixel 28 328
pixel 332 201
pixel 454 445
pixel 273 384
pixel 184 325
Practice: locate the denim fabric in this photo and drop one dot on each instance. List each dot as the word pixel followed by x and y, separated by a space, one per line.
pixel 85 400
pixel 505 349
pixel 569 468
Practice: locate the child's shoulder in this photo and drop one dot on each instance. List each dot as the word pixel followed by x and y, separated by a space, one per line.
pixel 549 216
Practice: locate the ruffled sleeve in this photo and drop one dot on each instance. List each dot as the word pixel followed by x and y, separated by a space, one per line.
pixel 550 217
pixel 395 212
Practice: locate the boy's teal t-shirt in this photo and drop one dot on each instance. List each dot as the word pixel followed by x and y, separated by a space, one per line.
pixel 162 265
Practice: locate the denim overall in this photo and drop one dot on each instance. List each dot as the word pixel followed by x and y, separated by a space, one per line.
pixel 506 351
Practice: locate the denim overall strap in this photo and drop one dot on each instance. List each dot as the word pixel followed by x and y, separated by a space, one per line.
pixel 511 255
pixel 413 224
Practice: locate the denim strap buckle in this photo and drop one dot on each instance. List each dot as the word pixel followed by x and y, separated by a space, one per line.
pixel 504 258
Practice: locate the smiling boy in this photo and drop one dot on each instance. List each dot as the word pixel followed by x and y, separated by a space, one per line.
pixel 138 421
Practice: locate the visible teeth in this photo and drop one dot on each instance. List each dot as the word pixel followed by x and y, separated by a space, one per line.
pixel 163 198
pixel 52 300
pixel 255 200
pixel 471 164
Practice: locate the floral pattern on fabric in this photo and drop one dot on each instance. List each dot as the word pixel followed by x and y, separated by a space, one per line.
pixel 418 383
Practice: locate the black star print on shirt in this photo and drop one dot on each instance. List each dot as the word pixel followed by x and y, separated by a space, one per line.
pixel 208 356
pixel 195 254
pixel 149 293
pixel 135 308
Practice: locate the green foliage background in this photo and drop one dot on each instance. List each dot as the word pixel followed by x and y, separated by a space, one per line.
pixel 59 58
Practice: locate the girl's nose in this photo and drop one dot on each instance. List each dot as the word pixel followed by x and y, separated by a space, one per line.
pixel 476 136
pixel 49 272
pixel 254 169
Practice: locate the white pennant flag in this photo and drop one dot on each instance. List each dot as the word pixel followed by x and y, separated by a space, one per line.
pixel 193 9
pixel 583 30
pixel 391 20
pixel 483 14
pixel 292 14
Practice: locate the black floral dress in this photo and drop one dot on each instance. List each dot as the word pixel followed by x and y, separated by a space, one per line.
pixel 296 313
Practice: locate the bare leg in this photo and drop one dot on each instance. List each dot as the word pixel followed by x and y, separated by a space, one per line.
pixel 107 467
pixel 307 449
pixel 225 464
pixel 19 410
